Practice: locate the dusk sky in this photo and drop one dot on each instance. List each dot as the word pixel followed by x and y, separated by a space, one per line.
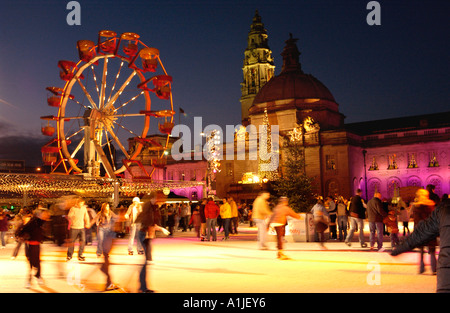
pixel 400 68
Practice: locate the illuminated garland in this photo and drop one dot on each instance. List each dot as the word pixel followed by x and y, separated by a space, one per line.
pixel 53 186
pixel 265 143
pixel 213 146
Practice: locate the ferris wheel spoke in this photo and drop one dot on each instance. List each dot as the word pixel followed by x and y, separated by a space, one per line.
pixel 74 134
pixel 103 86
pixel 113 135
pixel 115 81
pixel 103 158
pixel 131 100
pixel 95 81
pixel 108 142
pixel 79 103
pixel 88 96
pixel 78 147
pixel 119 92
pixel 128 130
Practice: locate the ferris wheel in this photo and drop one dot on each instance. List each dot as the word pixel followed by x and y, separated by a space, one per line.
pixel 111 99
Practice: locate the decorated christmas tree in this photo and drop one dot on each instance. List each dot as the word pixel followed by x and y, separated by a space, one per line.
pixel 295 184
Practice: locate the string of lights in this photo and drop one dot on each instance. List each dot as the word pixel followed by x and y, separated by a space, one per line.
pixel 54 186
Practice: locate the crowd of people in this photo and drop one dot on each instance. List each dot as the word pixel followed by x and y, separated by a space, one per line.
pixel 209 217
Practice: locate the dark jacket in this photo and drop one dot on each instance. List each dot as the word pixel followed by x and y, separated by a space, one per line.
pixel 357 207
pixel 375 211
pixel 149 216
pixel 32 231
pixel 420 213
pixel 437 225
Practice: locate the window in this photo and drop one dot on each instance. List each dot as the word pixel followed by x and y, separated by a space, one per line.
pixel 433 159
pixel 392 163
pixel 330 162
pixel 374 165
pixel 229 169
pixel 412 160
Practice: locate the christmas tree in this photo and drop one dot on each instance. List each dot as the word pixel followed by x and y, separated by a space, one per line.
pixel 295 184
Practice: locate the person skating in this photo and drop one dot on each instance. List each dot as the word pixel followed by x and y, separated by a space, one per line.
pixel 278 220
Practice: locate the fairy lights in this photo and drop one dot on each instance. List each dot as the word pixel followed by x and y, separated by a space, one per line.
pixel 43 186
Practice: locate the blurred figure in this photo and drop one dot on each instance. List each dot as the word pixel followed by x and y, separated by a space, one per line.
pixel 171 216
pixel 201 210
pixel 104 220
pixel 436 225
pixel 403 215
pixel 163 209
pixel 331 207
pixel 23 217
pixel 4 221
pixel 342 218
pixel 78 221
pixel 278 220
pixel 391 223
pixel 33 233
pixel 422 209
pixel 234 222
pixel 133 211
pixel 357 212
pixel 431 195
pixel 212 211
pixel 184 216
pixel 321 220
pixel 88 231
pixel 261 213
pixel 375 215
pixel 225 214
pixel 196 221
pixel 148 220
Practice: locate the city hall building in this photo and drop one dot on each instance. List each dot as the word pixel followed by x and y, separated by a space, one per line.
pixel 393 156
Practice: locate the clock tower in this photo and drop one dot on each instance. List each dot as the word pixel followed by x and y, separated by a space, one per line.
pixel 258 66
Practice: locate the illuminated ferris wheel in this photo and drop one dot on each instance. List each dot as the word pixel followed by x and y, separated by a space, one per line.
pixel 114 93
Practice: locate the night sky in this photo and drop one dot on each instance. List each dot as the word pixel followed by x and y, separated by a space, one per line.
pixel 399 68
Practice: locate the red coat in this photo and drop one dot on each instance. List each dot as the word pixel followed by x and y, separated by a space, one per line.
pixel 211 210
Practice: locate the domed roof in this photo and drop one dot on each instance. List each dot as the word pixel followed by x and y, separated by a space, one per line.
pixel 292 83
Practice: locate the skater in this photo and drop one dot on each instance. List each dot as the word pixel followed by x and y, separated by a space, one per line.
pixel 357 212
pixel 78 222
pixel 321 220
pixel 404 216
pixel 33 234
pixel 104 220
pixel 422 209
pixel 375 215
pixel 212 211
pixel 278 220
pixel 201 210
pixel 149 220
pixel 225 214
pixel 261 213
pixel 436 225
pixel 133 211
